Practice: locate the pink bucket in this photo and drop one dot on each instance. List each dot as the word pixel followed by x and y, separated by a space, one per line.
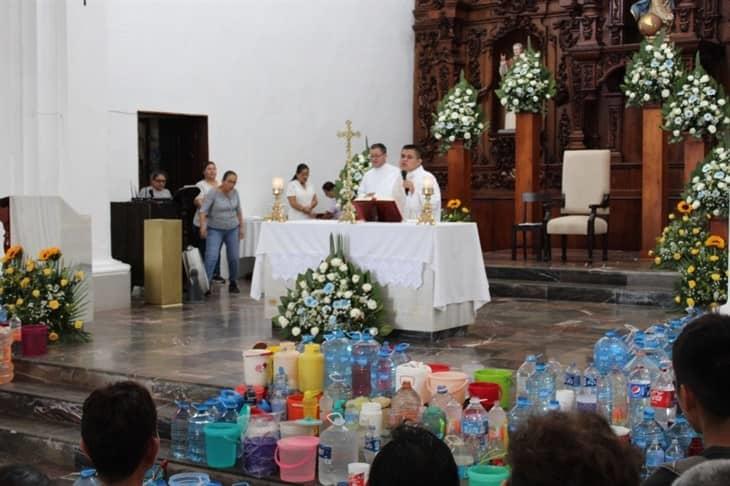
pixel 297 458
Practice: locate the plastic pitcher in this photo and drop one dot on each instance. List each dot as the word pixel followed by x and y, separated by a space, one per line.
pixel 257 367
pixel 502 377
pixel 297 458
pixel 35 339
pixel 487 475
pixel 455 382
pixel 221 444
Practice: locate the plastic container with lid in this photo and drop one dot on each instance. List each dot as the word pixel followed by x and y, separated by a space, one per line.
pixel 371 413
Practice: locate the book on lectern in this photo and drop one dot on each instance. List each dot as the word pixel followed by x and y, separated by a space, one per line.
pixel 377 210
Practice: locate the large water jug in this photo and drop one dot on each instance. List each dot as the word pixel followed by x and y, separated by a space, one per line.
pixel 179 430
pixel 541 389
pixel 338 357
pixel 364 357
pixel 338 447
pixel 384 373
pixel 287 358
pixel 311 369
pixel 518 415
pixel 196 433
pixel 523 373
pixel 610 351
pixel 405 406
pixel 647 431
pixel 683 432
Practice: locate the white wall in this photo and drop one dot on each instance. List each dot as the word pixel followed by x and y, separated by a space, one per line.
pixel 276 78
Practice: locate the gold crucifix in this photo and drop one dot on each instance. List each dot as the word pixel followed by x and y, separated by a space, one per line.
pixel 348 135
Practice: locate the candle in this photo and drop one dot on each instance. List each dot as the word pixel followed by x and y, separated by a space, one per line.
pixel 427 183
pixel 277 183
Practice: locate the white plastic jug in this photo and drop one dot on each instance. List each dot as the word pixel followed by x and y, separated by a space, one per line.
pixel 417 373
pixel 257 367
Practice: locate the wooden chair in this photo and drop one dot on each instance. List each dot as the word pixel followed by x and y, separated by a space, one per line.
pixel 537 228
pixel 586 189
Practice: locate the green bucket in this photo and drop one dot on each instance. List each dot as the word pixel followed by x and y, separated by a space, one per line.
pixel 221 444
pixel 500 376
pixel 487 475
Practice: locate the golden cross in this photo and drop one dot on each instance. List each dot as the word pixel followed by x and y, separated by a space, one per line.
pixel 348 135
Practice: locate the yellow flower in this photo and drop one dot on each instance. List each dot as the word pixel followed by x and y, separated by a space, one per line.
pixel 9 271
pixel 678 299
pixel 53 337
pixel 682 232
pixel 63 282
pixel 651 252
pixel 54 304
pixel 657 260
pixel 716 241
pixel 690 302
pixel 685 218
pixel 78 324
pixel 695 231
pixel 453 204
pixel 692 284
pixel 47 272
pixel 36 293
pixel 661 240
pixel 691 269
pixel 12 253
pixel 465 210
pixel 677 256
pixel 715 276
pixel 24 283
pixel 713 258
pixel 694 251
pixel 79 275
pixel 11 307
pixel 684 207
pixel 19 302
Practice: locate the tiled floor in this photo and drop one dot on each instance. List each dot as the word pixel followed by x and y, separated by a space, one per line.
pixel 202 343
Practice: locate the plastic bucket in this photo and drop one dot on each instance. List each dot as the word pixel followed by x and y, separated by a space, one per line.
pixel 35 339
pixel 294 407
pixel 257 367
pixel 502 377
pixel 221 444
pixel 487 475
pixel 488 393
pixel 292 428
pixel 436 367
pixel 189 479
pixel 297 458
pixel 455 382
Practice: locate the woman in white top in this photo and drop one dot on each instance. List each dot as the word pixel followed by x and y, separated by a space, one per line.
pixel 301 195
pixel 209 181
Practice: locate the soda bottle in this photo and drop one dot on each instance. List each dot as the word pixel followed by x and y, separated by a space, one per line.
pixel 384 373
pixel 474 426
pixel 523 373
pixel 663 398
pixel 639 393
pixel 405 406
pixel 179 430
pixel 612 397
pixel 587 400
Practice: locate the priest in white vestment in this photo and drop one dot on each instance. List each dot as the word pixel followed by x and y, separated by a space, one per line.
pixel 383 180
pixel 411 162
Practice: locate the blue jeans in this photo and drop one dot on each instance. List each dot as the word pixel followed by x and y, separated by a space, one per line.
pixel 201 248
pixel 216 239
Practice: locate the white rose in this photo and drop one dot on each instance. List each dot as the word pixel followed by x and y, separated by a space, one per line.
pixel 331 276
pixel 314 331
pixel 647 97
pixel 323 267
pixel 343 283
pixel 695 205
pixel 290 306
pixel 704 79
pixel 336 262
pixel 355 279
pixel 467 135
pixel 373 331
pixel 327 300
pixel 348 294
pixel 372 305
pixel 665 93
pixel 712 129
pixel 303 284
pixel 295 331
pixel 437 136
pixel 322 279
pixel 343 268
pixel 367 287
pixel 675 133
pixel 283 321
pixel 721 102
pixel 354 313
pixel 452 138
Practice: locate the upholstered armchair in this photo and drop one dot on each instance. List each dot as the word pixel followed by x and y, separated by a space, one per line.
pixel 586 189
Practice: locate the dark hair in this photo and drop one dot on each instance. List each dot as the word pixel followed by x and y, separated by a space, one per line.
pixel 379 146
pixel 300 168
pixel 414 457
pixel 210 162
pixel 701 359
pixel 22 475
pixel 560 449
pixel 157 173
pixel 328 186
pixel 415 148
pixel 117 425
pixel 228 173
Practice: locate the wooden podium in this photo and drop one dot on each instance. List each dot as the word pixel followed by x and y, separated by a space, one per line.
pixel 653 178
pixel 527 160
pixel 459 173
pixel 163 262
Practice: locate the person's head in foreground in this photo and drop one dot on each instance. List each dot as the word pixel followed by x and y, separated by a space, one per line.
pixel 571 449
pixel 119 432
pixel 708 473
pixel 22 475
pixel 414 457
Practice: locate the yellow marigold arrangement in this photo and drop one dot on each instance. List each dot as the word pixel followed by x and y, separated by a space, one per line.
pixel 455 211
pixel 45 291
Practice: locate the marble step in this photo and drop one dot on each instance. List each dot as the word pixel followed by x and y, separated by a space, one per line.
pixel 585 292
pixel 588 275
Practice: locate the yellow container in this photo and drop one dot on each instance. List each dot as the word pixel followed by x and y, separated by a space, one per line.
pixel 311 369
pixel 309 405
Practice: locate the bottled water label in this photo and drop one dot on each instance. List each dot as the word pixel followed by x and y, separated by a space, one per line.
pixel 473 428
pixel 654 459
pixel 572 380
pixel 662 398
pixel 325 453
pixel 545 394
pixel 372 444
pixel 591 381
pixel 639 390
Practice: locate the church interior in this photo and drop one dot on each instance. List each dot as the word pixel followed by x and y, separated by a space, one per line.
pixel 489 220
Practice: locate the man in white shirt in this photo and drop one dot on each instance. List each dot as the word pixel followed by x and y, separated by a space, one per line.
pixel 411 162
pixel 383 180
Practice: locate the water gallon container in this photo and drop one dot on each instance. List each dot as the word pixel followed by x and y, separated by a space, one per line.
pixel 416 373
pixel 297 458
pixel 35 339
pixel 257 367
pixel 504 378
pixel 222 440
pixel 455 382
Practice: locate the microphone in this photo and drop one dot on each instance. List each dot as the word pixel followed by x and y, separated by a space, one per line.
pixel 152 195
pixel 403 174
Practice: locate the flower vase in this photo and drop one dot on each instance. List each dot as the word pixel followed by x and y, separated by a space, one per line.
pixel 695 150
pixel 459 173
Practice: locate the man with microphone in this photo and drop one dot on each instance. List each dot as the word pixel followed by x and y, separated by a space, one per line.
pixel 412 165
pixel 383 181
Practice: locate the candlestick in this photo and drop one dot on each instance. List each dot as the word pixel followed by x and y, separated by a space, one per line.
pixel 278 215
pixel 277 183
pixel 427 183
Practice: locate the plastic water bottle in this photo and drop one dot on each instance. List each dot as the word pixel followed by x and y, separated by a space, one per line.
pixel 179 430
pixel 279 393
pixel 518 415
pixel 541 389
pixel 463 457
pixel 674 452
pixel 610 351
pixel 451 408
pixel 554 367
pixel 647 431
pixel 523 373
pixel 231 413
pixel 371 444
pixel 384 373
pixel 400 355
pixel 587 399
pixel 434 420
pixel 87 477
pixel 405 406
pixel 338 447
pixel 613 401
pixel 663 398
pixel 654 456
pixel 639 392
pixel 497 432
pixel 474 426
pixel 337 357
pixel 214 409
pixel 339 390
pixel 196 434
pixel 683 432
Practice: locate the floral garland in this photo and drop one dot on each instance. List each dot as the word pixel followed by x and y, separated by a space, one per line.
pixel 458 116
pixel 455 212
pixel 708 187
pixel 527 85
pixel 335 295
pixel 681 239
pixel 43 290
pixel 358 166
pixel 652 72
pixel 697 106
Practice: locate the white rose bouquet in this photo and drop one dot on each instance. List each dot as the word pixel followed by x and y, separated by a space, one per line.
pixel 652 72
pixel 707 190
pixel 334 295
pixel 697 106
pixel 458 116
pixel 527 85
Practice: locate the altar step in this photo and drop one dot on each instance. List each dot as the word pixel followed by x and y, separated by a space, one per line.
pixel 582 284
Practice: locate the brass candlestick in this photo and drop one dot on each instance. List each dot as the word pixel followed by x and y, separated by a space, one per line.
pixel 426 216
pixel 278 215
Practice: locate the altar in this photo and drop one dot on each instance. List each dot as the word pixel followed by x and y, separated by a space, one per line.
pixel 433 277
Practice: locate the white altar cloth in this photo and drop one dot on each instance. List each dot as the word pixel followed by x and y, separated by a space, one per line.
pixel 446 256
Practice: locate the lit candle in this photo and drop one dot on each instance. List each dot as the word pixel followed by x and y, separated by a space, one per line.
pixel 277 183
pixel 427 183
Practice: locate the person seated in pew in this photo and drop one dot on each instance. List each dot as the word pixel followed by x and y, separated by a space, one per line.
pixel 156 189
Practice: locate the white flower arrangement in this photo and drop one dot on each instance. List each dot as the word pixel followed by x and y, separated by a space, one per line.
pixel 359 164
pixel 458 116
pixel 334 295
pixel 652 72
pixel 697 106
pixel 708 187
pixel 527 85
